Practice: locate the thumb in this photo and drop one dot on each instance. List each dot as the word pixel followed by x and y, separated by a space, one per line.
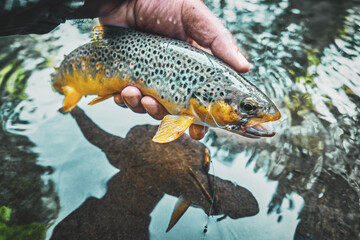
pixel 206 29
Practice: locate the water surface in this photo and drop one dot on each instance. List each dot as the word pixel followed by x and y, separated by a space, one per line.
pixel 305 180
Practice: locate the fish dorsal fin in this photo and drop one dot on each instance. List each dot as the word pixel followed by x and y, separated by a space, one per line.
pixel 98 32
pixel 103 31
pixel 172 127
pixel 181 206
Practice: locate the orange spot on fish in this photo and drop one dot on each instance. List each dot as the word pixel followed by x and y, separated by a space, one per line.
pixel 168 71
pixel 151 68
pixel 132 64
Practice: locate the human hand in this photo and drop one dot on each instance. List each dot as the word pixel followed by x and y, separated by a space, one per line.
pixel 187 20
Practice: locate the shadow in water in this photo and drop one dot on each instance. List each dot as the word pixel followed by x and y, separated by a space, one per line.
pixel 148 170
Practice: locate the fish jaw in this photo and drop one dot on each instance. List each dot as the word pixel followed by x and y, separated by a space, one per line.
pixel 254 128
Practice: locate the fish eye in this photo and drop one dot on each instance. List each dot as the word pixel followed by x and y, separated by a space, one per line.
pixel 248 105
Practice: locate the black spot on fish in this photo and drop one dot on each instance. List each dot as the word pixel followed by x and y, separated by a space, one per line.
pixel 228 101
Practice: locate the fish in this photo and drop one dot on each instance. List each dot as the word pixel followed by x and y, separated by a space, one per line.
pixel 194 86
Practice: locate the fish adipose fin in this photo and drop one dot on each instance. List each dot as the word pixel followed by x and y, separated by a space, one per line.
pixel 172 127
pixel 181 206
pixel 100 99
pixel 72 97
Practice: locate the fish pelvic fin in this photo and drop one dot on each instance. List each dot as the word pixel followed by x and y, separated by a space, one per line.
pixel 181 206
pixel 100 99
pixel 72 97
pixel 172 127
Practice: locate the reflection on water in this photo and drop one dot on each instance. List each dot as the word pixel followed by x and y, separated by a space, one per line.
pixel 28 204
pixel 305 180
pixel 147 172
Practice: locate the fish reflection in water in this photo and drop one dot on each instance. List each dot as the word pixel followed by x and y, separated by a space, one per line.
pixel 147 171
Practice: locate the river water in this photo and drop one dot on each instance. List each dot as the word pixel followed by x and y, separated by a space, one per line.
pixel 96 174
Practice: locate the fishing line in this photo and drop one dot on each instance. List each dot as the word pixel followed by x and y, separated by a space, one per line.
pixel 208 112
pixel 209 59
pixel 213 168
pixel 213 199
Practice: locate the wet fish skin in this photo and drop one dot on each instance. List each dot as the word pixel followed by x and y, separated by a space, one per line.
pixel 191 84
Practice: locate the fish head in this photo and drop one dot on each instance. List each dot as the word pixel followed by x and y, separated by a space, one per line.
pixel 252 109
pixel 239 107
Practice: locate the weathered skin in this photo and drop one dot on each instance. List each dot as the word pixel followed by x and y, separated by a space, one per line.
pixel 185 80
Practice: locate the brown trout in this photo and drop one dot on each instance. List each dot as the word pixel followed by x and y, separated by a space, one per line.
pixel 193 86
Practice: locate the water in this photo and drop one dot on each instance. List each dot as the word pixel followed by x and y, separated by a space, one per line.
pixel 63 176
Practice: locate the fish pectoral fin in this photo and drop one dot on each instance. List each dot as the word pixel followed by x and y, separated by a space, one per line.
pixel 72 97
pixel 101 98
pixel 172 127
pixel 181 206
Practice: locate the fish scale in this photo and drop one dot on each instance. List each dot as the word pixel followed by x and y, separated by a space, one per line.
pixel 185 80
pixel 160 66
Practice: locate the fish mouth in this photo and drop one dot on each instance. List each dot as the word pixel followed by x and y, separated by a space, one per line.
pixel 251 129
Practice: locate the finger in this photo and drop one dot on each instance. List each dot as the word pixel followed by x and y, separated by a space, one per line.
pixel 132 98
pixel 197 132
pixel 154 108
pixel 206 29
pixel 119 101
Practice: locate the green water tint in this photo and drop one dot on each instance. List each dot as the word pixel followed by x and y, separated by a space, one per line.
pixel 305 56
pixel 34 231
